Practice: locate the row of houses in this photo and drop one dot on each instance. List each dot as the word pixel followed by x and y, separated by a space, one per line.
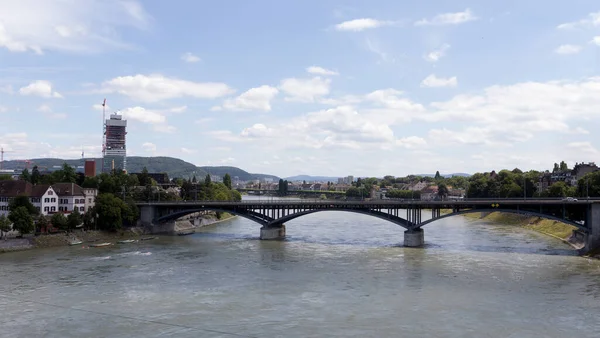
pixel 48 199
pixel 570 177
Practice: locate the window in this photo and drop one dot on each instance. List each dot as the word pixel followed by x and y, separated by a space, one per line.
pixel 52 209
pixel 46 200
pixel 81 209
pixel 50 192
pixel 46 209
pixel 53 200
pixel 89 200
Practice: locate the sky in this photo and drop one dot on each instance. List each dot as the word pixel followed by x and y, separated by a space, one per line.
pixel 337 87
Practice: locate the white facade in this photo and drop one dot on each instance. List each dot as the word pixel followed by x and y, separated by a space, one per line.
pixel 67 204
pixel 90 198
pixel 46 204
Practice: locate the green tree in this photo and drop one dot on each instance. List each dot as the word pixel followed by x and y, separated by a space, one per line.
pixel 22 201
pixel 437 175
pixel 59 221
pixel 227 181
pixel 4 225
pixel 35 175
pixel 207 180
pixel 110 210
pixel 68 174
pixel 558 189
pixel 563 166
pixel 442 191
pixel 25 176
pixel 22 220
pixel 144 177
pixel 41 223
pixel 556 168
pixel 74 219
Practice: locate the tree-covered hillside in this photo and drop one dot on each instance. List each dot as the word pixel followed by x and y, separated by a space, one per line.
pixel 174 167
pixel 233 172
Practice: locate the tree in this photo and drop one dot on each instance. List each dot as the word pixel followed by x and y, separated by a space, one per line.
pixel 558 189
pixel 68 174
pixel 563 166
pixel 442 191
pixel 437 175
pixel 21 220
pixel 194 180
pixel 144 177
pixel 22 201
pixel 207 180
pixel 4 225
pixel 35 175
pixel 25 176
pixel 59 221
pixel 110 210
pixel 42 223
pixel 74 219
pixel 556 168
pixel 227 181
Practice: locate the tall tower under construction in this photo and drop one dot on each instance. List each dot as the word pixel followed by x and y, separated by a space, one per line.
pixel 115 150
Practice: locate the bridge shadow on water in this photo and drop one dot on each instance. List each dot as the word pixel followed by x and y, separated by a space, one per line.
pixel 432 246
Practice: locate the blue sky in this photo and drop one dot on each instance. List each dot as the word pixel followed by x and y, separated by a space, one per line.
pixel 306 87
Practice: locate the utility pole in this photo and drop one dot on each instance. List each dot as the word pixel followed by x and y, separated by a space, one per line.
pixel 524 188
pixel 103 132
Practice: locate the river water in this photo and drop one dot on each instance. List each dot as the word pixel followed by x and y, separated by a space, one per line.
pixel 337 275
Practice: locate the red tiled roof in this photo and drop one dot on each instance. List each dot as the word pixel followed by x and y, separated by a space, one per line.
pixel 67 189
pixel 10 188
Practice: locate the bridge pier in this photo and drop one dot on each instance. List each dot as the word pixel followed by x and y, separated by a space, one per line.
pixel 414 238
pixel 271 233
pixel 592 240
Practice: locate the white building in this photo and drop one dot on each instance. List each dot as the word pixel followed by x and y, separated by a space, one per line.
pixel 90 198
pixel 70 197
pixel 43 197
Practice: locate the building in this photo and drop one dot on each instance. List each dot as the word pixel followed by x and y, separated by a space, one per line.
pixel 70 197
pixel 90 168
pixel 581 169
pixel 63 197
pixel 115 150
pixel 43 197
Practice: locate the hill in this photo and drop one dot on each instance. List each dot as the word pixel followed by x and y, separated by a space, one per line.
pixel 234 171
pixel 309 178
pixel 445 175
pixel 174 167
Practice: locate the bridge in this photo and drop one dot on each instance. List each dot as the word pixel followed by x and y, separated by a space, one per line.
pixel 411 215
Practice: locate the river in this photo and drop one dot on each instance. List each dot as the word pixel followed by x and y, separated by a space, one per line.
pixel 336 275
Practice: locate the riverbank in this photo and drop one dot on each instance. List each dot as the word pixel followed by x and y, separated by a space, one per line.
pixel 92 236
pixel 556 229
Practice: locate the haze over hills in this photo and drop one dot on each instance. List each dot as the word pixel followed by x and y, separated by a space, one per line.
pixel 174 167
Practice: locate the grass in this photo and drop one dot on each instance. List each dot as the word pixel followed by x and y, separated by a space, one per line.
pixel 542 225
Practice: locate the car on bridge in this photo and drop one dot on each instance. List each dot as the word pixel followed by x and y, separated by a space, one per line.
pixel 569 199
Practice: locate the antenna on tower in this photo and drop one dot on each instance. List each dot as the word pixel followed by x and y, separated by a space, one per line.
pixel 103 132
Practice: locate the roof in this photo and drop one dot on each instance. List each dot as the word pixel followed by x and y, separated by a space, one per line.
pixel 67 189
pixel 39 190
pixel 10 188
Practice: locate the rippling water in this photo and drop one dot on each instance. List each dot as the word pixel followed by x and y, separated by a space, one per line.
pixel 337 274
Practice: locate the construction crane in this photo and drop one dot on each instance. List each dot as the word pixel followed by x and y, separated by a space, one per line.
pixel 27 163
pixel 2 151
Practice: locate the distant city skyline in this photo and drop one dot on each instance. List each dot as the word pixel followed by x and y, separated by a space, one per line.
pixel 331 88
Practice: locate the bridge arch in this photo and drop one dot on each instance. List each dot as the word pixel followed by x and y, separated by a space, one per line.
pixel 381 215
pixel 510 211
pixel 253 216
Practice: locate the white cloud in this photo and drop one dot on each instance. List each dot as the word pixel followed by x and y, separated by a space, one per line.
pixel 44 108
pixel 376 48
pixel 188 151
pixel 3 109
pixel 149 147
pixel 254 99
pixel 596 40
pixel 568 49
pixel 320 71
pixel 178 110
pixel 436 55
pixel 190 58
pixel 433 81
pixel 358 25
pixel 448 19
pixel 164 128
pixel 73 26
pixel 305 90
pixel 592 20
pixel 143 115
pixel 40 88
pixel 154 88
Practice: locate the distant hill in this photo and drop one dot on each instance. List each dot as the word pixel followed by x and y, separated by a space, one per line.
pixel 174 167
pixel 234 171
pixel 309 178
